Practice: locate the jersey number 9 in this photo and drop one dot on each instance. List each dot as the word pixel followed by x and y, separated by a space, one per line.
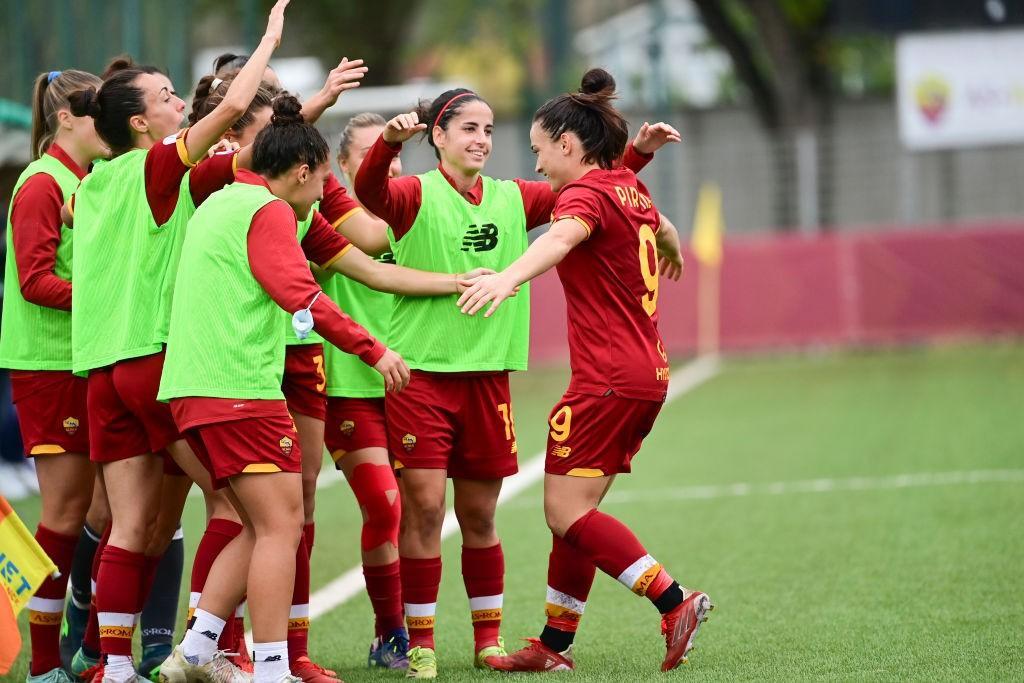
pixel 648 253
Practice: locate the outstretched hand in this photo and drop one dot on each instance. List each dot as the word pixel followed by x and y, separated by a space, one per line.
pixel 486 288
pixel 345 76
pixel 403 127
pixel 651 138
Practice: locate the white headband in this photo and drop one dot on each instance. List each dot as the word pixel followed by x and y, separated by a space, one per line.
pixel 216 83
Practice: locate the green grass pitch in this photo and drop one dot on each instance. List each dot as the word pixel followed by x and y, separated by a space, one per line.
pixel 775 488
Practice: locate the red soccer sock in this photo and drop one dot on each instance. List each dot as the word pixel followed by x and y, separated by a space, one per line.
pixel 421 579
pixel 219 532
pixel 309 533
pixel 91 639
pixel 298 617
pixel 384 586
pixel 117 598
pixel 570 577
pixel 46 607
pixel 614 549
pixel 483 572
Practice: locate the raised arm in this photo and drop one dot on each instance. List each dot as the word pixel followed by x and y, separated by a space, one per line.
pixel 208 130
pixel 395 200
pixel 546 252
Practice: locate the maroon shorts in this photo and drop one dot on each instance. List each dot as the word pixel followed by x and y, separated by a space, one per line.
pixel 305 384
pixel 353 424
pixel 458 422
pixel 249 445
pixel 52 413
pixel 126 418
pixel 593 436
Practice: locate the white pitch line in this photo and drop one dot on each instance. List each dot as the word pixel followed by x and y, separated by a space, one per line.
pixel 685 379
pixel 777 488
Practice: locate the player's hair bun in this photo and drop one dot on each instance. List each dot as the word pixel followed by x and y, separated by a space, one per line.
pixel 597 82
pixel 287 111
pixel 85 103
pixel 119 63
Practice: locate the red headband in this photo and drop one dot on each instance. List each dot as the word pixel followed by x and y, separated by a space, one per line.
pixel 446 105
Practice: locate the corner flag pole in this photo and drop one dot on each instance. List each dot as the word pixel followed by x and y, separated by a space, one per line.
pixel 706 242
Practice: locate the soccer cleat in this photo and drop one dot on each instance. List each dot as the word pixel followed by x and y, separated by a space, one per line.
pixel 72 631
pixel 422 663
pixel 102 677
pixel 84 667
pixel 52 676
pixel 535 657
pixel 680 628
pixel 490 651
pixel 310 672
pixel 391 651
pixel 178 669
pixel 152 657
pixel 242 659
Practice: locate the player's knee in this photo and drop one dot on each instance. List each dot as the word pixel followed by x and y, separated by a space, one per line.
pixel 558 520
pixel 477 524
pixel 382 514
pixel 65 516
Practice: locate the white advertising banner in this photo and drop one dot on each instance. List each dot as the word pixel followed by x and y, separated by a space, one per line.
pixel 960 89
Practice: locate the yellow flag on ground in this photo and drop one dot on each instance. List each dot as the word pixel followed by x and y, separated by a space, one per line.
pixel 708 226
pixel 23 564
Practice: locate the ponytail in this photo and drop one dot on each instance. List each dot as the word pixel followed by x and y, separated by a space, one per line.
pixel 589 114
pixel 50 95
pixel 113 103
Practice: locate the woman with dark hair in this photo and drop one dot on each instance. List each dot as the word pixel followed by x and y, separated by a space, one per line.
pixel 129 216
pixel 225 362
pixel 455 420
pixel 605 239
pixel 35 344
pixel 304 387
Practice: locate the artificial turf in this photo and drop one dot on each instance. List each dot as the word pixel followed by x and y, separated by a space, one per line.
pixel 775 488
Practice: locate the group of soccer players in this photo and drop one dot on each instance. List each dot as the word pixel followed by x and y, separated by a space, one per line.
pixel 202 342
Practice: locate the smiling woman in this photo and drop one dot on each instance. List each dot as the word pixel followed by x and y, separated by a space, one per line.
pixel 455 419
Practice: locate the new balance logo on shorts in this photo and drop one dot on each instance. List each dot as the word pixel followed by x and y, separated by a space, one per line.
pixel 272 658
pixel 480 237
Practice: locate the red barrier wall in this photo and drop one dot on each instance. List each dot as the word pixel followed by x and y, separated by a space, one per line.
pixel 895 285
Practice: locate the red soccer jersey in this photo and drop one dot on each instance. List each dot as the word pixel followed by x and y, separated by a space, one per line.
pixel 611 287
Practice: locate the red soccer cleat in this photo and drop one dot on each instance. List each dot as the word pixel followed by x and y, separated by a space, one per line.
pixel 309 672
pixel 242 659
pixel 680 628
pixel 93 673
pixel 536 657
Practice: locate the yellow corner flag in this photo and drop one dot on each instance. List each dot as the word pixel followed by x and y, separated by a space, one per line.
pixel 708 226
pixel 23 564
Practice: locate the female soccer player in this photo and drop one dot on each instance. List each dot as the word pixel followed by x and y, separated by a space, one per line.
pixel 129 217
pixel 456 418
pixel 35 343
pixel 605 241
pixel 304 380
pixel 355 431
pixel 225 361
